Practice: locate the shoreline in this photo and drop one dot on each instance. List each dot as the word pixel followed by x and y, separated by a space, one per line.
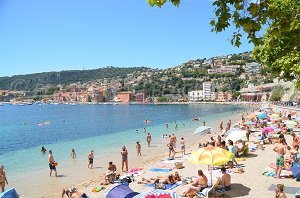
pixel 191 144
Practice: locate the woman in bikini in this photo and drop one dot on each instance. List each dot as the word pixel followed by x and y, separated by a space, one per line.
pixel 124 154
pixel 3 178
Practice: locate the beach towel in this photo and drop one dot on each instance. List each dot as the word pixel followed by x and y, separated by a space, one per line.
pixel 171 161
pixel 156 193
pixel 167 186
pixel 162 170
pixel 134 170
pixel 287 189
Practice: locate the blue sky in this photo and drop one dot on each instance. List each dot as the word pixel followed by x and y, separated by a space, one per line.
pixel 55 35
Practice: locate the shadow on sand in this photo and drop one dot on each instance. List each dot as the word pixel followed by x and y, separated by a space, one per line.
pixel 238 190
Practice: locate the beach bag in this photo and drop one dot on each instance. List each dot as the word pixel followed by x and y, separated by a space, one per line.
pixel 179 165
pixel 126 180
pixel 297 157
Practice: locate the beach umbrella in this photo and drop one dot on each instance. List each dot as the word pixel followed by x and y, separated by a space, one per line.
pixel 10 193
pixel 268 129
pixel 274 115
pixel 250 123
pixel 231 130
pixel 262 116
pixel 290 123
pixel 210 155
pixel 295 168
pixel 203 129
pixel 237 135
pixel 294 113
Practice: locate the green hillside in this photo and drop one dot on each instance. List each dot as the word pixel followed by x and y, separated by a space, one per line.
pixel 32 81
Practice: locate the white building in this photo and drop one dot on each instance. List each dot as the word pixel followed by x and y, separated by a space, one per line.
pixel 208 91
pixel 195 96
pixel 252 68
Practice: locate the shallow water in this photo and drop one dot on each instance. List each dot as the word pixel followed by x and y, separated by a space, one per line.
pixel 103 128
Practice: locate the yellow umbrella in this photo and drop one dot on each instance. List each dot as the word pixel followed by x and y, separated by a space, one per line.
pixel 210 155
pixel 275 115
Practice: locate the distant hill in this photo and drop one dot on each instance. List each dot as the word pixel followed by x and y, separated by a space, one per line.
pixel 31 81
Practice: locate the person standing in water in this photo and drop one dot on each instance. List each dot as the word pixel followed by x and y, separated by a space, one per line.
pixel 124 154
pixel 52 163
pixel 73 154
pixel 91 159
pixel 138 148
pixel 145 130
pixel 43 150
pixel 3 178
pixel 148 138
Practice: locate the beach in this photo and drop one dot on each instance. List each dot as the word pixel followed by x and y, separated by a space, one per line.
pixel 152 157
pixel 250 183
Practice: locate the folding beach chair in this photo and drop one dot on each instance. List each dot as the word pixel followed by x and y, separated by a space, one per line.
pixel 206 191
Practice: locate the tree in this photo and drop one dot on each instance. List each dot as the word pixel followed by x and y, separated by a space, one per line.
pixel 276 95
pixel 278 48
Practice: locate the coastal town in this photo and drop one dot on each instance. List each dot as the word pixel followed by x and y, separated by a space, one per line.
pixel 235 77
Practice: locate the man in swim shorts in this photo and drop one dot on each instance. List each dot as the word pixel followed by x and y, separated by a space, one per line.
pixel 280 149
pixel 52 163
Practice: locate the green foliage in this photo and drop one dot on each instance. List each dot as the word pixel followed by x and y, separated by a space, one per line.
pixel 276 95
pixel 33 81
pixel 162 99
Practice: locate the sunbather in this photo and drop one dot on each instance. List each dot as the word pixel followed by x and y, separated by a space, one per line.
pixel 170 179
pixel 198 185
pixel 225 181
pixel 243 151
pixel 73 193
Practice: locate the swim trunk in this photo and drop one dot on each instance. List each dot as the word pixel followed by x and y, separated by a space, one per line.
pixel 280 161
pixel 182 147
pixel 52 167
pixel 202 188
pixel 91 160
pixel 227 188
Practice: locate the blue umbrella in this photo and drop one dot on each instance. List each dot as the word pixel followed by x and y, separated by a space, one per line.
pixel 10 193
pixel 262 116
pixel 295 168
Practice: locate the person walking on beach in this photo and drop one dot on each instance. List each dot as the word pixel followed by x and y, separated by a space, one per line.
pixel 138 148
pixel 221 126
pixel 228 125
pixel 3 178
pixel 182 146
pixel 148 138
pixel 280 149
pixel 171 149
pixel 52 163
pixel 124 154
pixel 73 154
pixel 173 139
pixel 91 159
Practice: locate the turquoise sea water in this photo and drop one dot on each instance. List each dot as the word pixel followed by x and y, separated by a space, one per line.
pixel 104 128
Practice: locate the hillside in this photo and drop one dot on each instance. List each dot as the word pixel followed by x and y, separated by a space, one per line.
pixel 32 81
